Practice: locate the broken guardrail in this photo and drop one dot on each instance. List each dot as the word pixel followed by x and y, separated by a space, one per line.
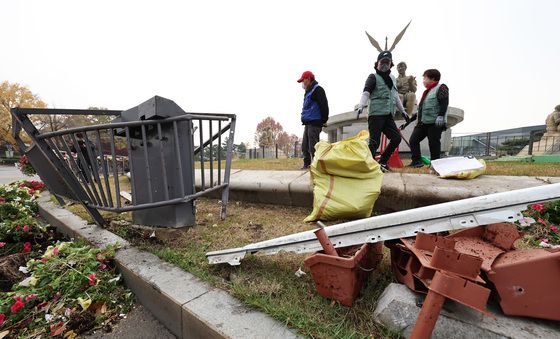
pixel 454 215
pixel 162 143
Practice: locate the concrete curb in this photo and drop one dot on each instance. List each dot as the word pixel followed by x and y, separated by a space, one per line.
pixel 400 191
pixel 187 306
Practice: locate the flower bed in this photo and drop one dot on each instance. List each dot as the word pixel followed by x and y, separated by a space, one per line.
pixel 51 287
pixel 25 166
pixel 541 224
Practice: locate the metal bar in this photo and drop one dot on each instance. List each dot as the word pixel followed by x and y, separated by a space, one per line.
pixel 125 124
pixel 104 168
pixel 147 163
pixel 211 158
pixel 93 161
pixel 219 153
pixel 163 166
pixel 201 154
pixel 83 162
pixel 454 215
pixel 179 158
pixel 129 150
pixel 214 137
pixel 225 192
pixel 162 203
pixel 54 111
pixel 114 165
pixel 77 171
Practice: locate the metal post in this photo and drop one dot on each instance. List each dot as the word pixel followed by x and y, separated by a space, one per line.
pixel 263 152
pixel 488 143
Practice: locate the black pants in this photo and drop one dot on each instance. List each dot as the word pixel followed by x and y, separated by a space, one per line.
pixel 420 132
pixel 385 124
pixel 310 138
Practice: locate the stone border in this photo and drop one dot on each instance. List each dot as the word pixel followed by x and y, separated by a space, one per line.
pixel 187 306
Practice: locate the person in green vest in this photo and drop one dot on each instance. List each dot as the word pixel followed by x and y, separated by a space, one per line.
pixel 381 97
pixel 432 117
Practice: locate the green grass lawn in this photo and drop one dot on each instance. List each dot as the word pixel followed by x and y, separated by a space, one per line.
pixel 269 283
pixel 492 167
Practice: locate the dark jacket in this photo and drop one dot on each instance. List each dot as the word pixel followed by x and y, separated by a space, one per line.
pixel 320 98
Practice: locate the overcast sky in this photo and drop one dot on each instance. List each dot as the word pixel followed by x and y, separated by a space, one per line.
pixel 500 59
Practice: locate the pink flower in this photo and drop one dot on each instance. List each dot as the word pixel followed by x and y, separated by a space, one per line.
pixel 91 279
pixel 26 228
pixel 2 318
pixel 55 251
pixel 18 228
pixel 2 244
pixel 30 297
pixel 554 228
pixel 18 305
pixel 2 201
pixel 27 247
pixel 538 207
pixel 541 221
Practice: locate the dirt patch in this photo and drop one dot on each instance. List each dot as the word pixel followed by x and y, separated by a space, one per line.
pixel 9 270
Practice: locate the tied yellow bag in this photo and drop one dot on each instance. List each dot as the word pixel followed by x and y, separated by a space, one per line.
pixel 346 179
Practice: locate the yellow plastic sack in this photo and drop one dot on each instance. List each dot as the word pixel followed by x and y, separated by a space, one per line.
pixel 346 179
pixel 466 175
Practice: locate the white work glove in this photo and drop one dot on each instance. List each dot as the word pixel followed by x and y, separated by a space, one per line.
pixel 363 102
pixel 439 121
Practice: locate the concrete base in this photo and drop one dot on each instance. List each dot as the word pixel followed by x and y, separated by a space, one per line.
pixel 400 191
pixel 398 309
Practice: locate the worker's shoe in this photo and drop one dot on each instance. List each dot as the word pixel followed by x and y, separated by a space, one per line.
pixel 416 165
pixel 384 167
pixel 304 168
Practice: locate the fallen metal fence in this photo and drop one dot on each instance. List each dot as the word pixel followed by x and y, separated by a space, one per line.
pixel 82 164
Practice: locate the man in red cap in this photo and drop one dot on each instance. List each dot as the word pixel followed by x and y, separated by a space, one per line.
pixel 314 115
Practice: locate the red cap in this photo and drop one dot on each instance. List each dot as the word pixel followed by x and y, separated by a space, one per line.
pixel 306 75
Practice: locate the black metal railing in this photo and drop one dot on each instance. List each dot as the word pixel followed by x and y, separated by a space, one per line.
pixel 86 163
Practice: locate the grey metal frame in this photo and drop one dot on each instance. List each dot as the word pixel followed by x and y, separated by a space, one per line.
pixel 88 182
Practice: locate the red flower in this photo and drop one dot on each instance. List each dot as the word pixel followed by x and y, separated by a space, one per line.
pixel 2 244
pixel 18 305
pixel 2 201
pixel 55 251
pixel 43 304
pixel 26 228
pixel 537 207
pixel 31 191
pixel 91 279
pixel 2 318
pixel 30 297
pixel 27 247
pixel 18 228
pixel 56 329
pixel 554 228
pixel 541 221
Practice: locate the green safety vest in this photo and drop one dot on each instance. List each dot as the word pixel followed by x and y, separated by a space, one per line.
pixel 382 99
pixel 430 107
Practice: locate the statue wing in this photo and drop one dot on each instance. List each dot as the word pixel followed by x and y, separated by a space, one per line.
pixel 399 37
pixel 374 43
